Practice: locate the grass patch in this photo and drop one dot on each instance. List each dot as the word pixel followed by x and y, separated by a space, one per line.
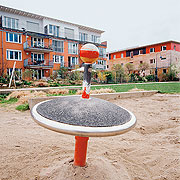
pixel 23 107
pixel 161 87
pixel 9 101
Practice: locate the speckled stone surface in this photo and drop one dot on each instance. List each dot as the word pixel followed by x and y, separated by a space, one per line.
pixel 93 112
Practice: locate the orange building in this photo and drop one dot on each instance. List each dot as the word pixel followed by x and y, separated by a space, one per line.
pixel 159 57
pixel 43 44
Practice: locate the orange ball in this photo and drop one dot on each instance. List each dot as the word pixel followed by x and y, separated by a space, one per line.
pixel 89 53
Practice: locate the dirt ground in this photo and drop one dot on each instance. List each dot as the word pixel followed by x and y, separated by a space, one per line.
pixel 151 151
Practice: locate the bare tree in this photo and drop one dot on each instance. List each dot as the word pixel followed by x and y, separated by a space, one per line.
pixel 143 67
pixel 129 67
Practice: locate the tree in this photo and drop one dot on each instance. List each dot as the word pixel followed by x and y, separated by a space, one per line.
pixel 129 67
pixel 118 73
pixel 143 67
pixel 27 74
pixel 108 75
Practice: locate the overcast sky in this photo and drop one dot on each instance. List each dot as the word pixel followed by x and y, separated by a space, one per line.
pixel 126 23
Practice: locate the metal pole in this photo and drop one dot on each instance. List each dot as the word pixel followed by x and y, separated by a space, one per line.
pixel 87 81
pixel 156 73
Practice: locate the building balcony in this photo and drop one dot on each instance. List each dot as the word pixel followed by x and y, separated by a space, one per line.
pixel 100 67
pixel 41 64
pixel 37 47
pixel 71 67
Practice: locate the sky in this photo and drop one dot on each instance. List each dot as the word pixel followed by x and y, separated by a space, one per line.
pixel 127 23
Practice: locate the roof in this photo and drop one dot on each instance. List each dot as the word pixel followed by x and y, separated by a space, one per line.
pixel 40 17
pixel 137 47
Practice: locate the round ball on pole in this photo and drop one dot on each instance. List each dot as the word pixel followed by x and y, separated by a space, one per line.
pixel 89 53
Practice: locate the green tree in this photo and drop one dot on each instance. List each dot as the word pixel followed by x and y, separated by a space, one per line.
pixel 63 72
pixel 108 75
pixel 118 73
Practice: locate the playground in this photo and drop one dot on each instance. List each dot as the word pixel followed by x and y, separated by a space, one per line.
pixel 149 151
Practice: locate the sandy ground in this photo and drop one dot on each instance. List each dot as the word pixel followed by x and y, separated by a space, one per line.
pixel 151 151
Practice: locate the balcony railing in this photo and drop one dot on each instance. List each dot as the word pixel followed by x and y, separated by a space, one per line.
pixel 72 66
pixel 38 63
pixel 37 46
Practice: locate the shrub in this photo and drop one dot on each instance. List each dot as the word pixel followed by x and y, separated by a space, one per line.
pixel 58 91
pixel 23 107
pixel 97 91
pixel 150 78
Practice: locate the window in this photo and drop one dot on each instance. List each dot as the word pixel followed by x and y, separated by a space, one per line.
pixel 174 47
pixel 122 55
pixel 131 54
pixel 13 55
pixel 163 48
pixel 58 46
pixel 95 39
pixel 140 51
pixel 83 36
pixel 69 33
pixel 114 56
pixel 101 62
pixel 152 61
pixel 58 59
pixel 73 61
pixel 152 50
pixel 32 26
pixel 13 37
pixel 37 57
pixel 54 30
pixel 11 22
pixel 102 52
pixel 18 75
pixel 37 42
pixel 164 71
pixel 72 48
pixel 163 58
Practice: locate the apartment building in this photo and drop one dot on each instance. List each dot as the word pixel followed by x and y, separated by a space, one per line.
pixel 159 57
pixel 43 44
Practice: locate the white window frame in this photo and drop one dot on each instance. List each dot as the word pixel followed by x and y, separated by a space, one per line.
pixel 140 52
pixel 152 49
pixel 60 60
pixel 61 48
pixel 122 55
pixel 11 21
pixel 41 54
pixel 76 60
pixel 72 48
pixel 9 72
pixel 114 56
pixel 83 36
pixel 8 55
pixel 162 48
pixel 39 42
pixel 13 41
pixel 95 39
pixel 55 30
pixel 153 61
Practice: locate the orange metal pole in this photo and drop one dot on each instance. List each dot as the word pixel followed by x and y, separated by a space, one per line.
pixel 80 151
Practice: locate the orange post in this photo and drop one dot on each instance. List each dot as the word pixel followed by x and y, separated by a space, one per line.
pixel 80 151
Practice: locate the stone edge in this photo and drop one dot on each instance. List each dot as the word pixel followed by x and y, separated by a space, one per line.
pixel 106 96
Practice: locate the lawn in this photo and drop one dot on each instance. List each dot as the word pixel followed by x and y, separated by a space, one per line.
pixel 161 87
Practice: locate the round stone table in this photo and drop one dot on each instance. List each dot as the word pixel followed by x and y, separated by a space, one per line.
pixel 83 117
